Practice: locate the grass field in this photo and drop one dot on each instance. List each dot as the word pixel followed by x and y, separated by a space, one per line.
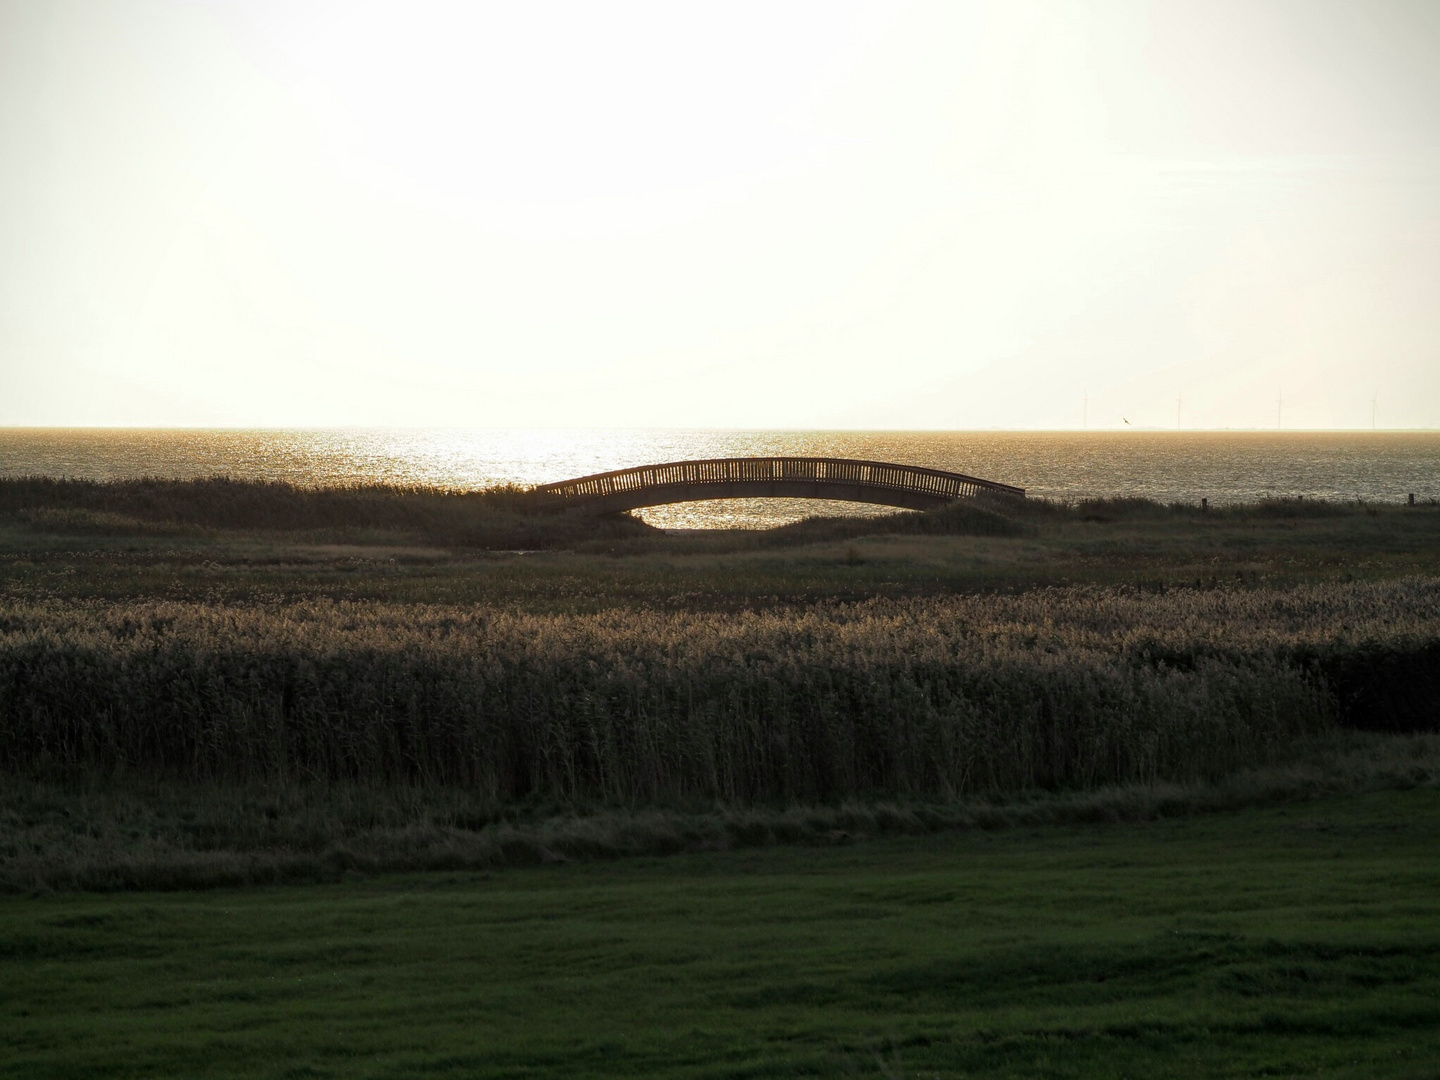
pixel 1013 789
pixel 1294 940
pixel 215 636
pixel 132 541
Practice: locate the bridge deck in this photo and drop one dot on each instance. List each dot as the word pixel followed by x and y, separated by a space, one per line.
pixel 843 479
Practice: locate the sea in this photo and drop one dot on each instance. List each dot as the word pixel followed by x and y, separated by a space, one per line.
pixel 1224 467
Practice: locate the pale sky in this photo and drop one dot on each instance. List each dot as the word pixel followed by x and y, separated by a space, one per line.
pixel 832 215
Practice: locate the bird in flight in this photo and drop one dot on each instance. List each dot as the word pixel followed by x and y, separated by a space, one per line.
pixel 1126 421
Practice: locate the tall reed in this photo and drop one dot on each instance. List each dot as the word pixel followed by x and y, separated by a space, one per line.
pixel 497 517
pixel 927 697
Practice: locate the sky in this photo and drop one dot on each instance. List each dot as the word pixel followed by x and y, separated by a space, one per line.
pixel 953 215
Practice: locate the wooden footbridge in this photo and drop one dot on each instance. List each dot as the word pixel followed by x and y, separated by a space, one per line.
pixel 841 479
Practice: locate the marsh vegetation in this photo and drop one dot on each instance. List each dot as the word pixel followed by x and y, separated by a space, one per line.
pixel 209 635
pixel 1150 784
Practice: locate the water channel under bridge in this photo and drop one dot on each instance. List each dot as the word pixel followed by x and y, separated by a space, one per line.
pixel 911 487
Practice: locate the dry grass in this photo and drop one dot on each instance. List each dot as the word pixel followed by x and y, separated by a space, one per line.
pixel 496 518
pixel 263 723
pixel 935 698
pixel 134 833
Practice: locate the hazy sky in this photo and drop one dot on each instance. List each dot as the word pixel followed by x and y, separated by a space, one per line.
pixel 946 215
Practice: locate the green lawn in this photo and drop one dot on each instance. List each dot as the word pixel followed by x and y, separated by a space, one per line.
pixel 1295 940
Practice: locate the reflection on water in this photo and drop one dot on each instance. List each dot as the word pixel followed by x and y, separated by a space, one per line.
pixel 1223 466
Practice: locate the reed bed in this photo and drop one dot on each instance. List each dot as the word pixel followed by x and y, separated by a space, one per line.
pixel 924 698
pixel 495 518
pixel 505 517
pixel 146 833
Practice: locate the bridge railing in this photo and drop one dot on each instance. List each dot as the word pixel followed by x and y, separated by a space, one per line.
pixel 874 474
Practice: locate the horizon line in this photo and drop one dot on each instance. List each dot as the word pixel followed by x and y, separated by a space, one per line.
pixel 1131 429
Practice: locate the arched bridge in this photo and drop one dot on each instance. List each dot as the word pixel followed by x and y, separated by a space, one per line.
pixel 842 479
